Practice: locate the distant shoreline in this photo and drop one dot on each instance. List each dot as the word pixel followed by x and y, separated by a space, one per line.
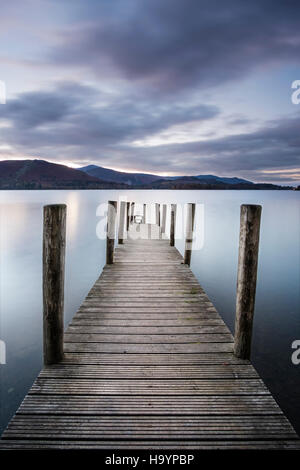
pixel 150 189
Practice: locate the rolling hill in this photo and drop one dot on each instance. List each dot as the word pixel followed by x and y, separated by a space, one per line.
pixel 131 179
pixel 40 174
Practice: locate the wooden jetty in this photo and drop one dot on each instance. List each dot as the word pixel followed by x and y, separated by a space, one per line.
pixel 148 363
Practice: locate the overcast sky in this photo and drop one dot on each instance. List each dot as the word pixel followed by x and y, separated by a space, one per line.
pixel 159 86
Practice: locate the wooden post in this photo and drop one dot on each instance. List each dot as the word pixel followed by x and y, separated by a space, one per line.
pixel 127 216
pixel 246 279
pixel 132 213
pixel 173 224
pixel 189 233
pixel 54 242
pixel 164 216
pixel 111 231
pixel 144 213
pixel 121 223
pixel 157 214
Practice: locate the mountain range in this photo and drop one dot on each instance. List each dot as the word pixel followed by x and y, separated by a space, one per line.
pixel 134 179
pixel 40 174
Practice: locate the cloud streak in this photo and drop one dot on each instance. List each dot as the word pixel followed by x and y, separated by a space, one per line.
pixel 82 124
pixel 173 45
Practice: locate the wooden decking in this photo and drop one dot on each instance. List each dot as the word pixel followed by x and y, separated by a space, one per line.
pixel 148 364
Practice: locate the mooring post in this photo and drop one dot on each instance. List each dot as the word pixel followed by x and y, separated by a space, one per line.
pixel 157 214
pixel 246 279
pixel 127 215
pixel 54 243
pixel 132 212
pixel 172 224
pixel 189 233
pixel 144 213
pixel 163 220
pixel 111 231
pixel 122 223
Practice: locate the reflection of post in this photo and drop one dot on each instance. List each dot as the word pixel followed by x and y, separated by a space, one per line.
pixel 122 222
pixel 111 231
pixel 172 224
pixel 164 216
pixel 144 213
pixel 189 233
pixel 157 214
pixel 246 281
pixel 2 352
pixel 54 241
pixel 127 215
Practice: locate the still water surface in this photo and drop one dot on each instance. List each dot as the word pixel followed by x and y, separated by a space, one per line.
pixel 277 314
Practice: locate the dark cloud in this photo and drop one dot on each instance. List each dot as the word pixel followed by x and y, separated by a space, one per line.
pixel 84 125
pixel 76 115
pixel 175 44
pixel 247 155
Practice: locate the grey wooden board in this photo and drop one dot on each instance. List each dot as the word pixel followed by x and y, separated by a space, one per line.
pixel 148 339
pixel 148 330
pixel 148 363
pixel 154 405
pixel 150 372
pixel 149 387
pixel 159 444
pixel 152 359
pixel 143 427
pixel 149 348
pixel 175 324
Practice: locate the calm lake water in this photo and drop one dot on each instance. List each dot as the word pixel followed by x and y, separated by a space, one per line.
pixel 214 262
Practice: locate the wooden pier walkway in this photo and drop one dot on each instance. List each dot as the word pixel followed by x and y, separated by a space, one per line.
pixel 148 364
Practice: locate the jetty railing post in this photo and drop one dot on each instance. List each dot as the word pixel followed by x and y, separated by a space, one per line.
pixel 144 213
pixel 122 223
pixel 172 224
pixel 132 212
pixel 246 279
pixel 157 214
pixel 111 231
pixel 189 233
pixel 54 243
pixel 163 220
pixel 127 215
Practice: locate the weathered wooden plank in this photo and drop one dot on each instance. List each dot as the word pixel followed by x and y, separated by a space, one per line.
pixel 79 328
pixel 186 348
pixel 181 324
pixel 158 359
pixel 102 296
pixel 150 316
pixel 149 387
pixel 153 405
pixel 187 307
pixel 144 371
pixel 102 427
pixel 147 339
pixel 89 444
